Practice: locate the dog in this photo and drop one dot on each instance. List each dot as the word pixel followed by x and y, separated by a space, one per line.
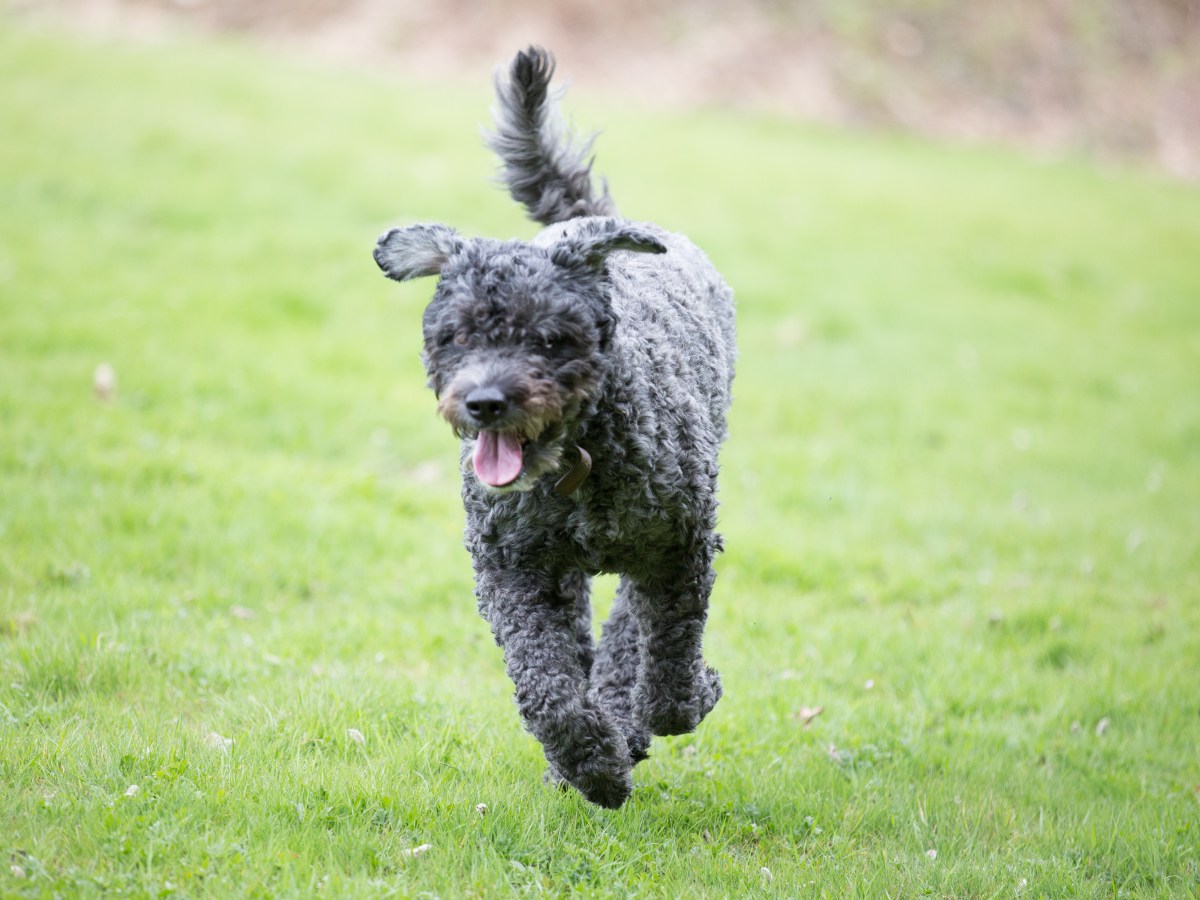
pixel 588 374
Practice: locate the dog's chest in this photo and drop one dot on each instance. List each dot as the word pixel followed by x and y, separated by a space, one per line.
pixel 593 531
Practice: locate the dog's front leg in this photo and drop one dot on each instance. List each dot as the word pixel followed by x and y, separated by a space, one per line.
pixel 534 622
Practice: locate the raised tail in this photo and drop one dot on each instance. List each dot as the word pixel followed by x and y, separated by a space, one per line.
pixel 543 165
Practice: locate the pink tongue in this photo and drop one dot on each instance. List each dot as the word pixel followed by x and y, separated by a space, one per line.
pixel 498 458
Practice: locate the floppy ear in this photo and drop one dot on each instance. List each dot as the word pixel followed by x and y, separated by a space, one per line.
pixel 591 244
pixel 417 250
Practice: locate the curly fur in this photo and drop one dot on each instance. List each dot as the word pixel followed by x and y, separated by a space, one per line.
pixel 542 166
pixel 612 336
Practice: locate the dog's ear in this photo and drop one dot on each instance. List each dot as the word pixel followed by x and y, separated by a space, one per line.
pixel 590 246
pixel 415 251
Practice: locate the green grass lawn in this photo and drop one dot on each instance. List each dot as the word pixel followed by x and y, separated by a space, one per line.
pixel 239 654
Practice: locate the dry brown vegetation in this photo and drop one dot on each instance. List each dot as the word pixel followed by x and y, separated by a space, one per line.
pixel 1113 79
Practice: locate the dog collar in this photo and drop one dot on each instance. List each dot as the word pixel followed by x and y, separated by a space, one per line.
pixel 569 483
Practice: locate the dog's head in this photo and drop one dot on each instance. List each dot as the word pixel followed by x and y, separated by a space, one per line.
pixel 515 337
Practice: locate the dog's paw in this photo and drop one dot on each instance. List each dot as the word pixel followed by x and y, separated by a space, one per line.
pixel 714 684
pixel 607 789
pixel 638 741
pixel 607 786
pixel 668 712
pixel 598 767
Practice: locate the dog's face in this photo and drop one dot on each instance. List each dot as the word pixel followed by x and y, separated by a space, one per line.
pixel 515 338
pixel 513 348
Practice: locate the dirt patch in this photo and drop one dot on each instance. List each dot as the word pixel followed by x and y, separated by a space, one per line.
pixel 1117 80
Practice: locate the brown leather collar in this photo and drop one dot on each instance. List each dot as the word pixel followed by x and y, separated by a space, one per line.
pixel 569 483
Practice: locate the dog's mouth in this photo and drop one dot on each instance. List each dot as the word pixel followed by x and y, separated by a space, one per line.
pixel 512 459
pixel 514 451
pixel 499 457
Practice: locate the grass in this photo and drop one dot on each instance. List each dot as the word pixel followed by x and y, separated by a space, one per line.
pixel 961 502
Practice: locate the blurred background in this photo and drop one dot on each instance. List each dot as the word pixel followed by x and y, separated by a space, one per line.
pixel 1112 80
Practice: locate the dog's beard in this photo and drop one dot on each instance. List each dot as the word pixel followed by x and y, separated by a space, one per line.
pixel 522 446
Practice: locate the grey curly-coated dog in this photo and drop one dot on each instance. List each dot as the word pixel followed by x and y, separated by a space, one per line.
pixel 588 373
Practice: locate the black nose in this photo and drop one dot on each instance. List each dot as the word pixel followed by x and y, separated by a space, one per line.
pixel 486 404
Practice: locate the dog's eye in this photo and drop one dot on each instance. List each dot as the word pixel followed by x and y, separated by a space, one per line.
pixel 554 344
pixel 460 338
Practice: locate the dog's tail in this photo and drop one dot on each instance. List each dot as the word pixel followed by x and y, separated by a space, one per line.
pixel 544 166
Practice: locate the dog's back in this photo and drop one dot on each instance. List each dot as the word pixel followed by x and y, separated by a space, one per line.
pixel 675 327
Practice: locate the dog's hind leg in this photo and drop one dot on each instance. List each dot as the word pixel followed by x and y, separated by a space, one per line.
pixel 535 623
pixel 675 689
pixel 615 671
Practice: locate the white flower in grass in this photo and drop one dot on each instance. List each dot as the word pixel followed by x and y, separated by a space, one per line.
pixel 104 381
pixel 481 808
pixel 217 742
pixel 355 735
pixel 132 790
pixel 416 851
pixel 931 853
